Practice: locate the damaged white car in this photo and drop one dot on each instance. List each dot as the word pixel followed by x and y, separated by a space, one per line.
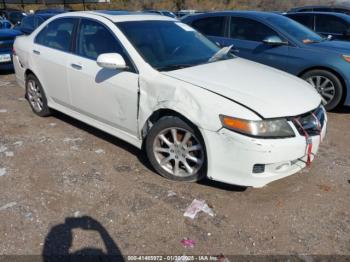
pixel 159 84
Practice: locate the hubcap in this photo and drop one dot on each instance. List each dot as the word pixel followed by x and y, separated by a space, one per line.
pixel 34 96
pixel 324 86
pixel 178 152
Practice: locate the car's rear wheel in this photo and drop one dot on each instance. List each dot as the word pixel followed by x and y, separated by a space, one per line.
pixel 176 149
pixel 36 96
pixel 328 85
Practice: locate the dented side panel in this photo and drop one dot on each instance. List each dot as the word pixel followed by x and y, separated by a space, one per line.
pixel 200 106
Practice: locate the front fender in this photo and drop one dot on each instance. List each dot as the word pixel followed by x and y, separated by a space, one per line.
pixel 202 107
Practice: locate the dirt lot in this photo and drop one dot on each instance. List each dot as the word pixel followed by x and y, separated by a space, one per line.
pixel 56 170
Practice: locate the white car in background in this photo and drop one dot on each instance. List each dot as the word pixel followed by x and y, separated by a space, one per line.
pixel 159 84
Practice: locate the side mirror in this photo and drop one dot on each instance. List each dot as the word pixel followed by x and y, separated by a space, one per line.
pixel 274 40
pixel 26 31
pixel 111 61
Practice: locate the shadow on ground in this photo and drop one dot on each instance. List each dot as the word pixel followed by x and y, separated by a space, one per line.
pixel 60 239
pixel 343 110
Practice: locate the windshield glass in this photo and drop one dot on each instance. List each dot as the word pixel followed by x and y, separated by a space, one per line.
pixel 300 32
pixel 168 45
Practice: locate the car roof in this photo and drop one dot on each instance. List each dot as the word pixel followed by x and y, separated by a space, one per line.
pixel 320 6
pixel 340 15
pixel 260 14
pixel 121 16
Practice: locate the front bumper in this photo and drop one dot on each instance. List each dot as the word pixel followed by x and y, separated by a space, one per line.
pixel 231 156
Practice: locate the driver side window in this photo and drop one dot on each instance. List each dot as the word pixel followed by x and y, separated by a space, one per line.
pixel 248 29
pixel 95 39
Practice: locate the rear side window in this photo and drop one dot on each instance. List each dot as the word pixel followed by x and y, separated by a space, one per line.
pixel 28 23
pixel 57 34
pixel 38 21
pixel 304 19
pixel 248 29
pixel 330 24
pixel 212 26
pixel 95 39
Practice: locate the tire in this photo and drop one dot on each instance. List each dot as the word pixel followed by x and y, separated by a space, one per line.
pixel 165 155
pixel 328 86
pixel 36 96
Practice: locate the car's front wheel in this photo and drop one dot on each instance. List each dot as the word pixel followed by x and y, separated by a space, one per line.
pixel 328 85
pixel 36 96
pixel 176 149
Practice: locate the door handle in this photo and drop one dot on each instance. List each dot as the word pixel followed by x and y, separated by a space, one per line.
pixel 235 50
pixel 36 52
pixel 76 66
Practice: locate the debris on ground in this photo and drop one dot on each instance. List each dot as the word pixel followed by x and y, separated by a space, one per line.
pixel 8 205
pixel 69 140
pixel 18 143
pixel 197 206
pixel 99 151
pixel 9 154
pixel 325 188
pixel 52 124
pixel 3 110
pixel 188 243
pixel 77 214
pixel 2 171
pixel 2 148
pixel 171 193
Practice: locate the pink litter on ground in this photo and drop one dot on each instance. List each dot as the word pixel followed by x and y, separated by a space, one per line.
pixel 188 243
pixel 197 206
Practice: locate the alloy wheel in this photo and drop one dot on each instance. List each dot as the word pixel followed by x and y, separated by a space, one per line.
pixel 178 152
pixel 34 96
pixel 324 86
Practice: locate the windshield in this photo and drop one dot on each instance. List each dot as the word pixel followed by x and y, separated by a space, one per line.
pixel 16 17
pixel 168 45
pixel 298 31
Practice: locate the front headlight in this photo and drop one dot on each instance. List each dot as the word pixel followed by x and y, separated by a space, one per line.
pixel 274 128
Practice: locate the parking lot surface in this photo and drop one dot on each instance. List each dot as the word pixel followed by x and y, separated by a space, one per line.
pixel 55 171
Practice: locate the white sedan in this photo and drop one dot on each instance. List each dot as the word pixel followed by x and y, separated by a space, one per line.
pixel 160 85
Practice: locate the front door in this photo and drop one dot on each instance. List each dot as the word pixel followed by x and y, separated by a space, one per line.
pixel 109 96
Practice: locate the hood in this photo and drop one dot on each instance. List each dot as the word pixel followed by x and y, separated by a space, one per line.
pixel 335 46
pixel 6 33
pixel 269 92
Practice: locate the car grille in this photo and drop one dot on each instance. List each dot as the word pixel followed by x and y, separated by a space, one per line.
pixel 310 123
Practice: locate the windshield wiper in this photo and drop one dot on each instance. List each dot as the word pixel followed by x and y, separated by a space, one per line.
pixel 173 67
pixel 221 53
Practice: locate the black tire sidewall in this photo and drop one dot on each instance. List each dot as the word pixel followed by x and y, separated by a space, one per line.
pixel 176 122
pixel 46 110
pixel 337 85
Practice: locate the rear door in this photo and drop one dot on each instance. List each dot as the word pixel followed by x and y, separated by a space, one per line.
pixel 213 27
pixel 247 36
pixel 109 96
pixel 306 19
pixel 331 25
pixel 51 49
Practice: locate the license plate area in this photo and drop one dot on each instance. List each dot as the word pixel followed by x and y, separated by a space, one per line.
pixel 5 58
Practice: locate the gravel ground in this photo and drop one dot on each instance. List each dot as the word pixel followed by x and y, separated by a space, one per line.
pixel 66 186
